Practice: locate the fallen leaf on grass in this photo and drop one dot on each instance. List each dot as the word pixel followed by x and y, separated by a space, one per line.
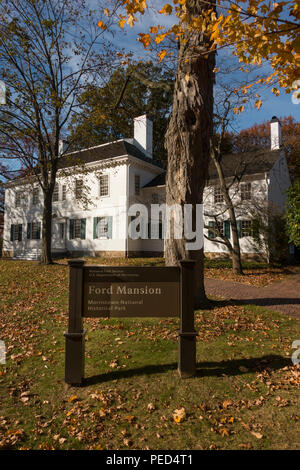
pixel 257 434
pixel 179 415
pixel 150 407
pixel 72 398
pixel 227 403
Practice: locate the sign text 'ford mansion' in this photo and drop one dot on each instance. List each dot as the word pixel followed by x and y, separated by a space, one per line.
pixel 128 292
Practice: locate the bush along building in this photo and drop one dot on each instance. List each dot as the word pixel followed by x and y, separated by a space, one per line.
pixel 96 187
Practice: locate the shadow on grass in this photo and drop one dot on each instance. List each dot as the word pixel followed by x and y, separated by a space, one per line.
pixel 204 369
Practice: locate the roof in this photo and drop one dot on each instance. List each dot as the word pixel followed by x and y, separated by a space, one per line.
pixel 248 163
pixel 104 152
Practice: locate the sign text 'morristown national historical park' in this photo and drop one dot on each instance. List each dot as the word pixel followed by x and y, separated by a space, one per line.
pixel 129 291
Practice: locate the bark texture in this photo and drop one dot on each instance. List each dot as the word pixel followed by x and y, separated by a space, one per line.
pixel 47 229
pixel 188 137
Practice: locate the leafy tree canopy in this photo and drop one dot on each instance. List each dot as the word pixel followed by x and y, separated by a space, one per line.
pixel 258 136
pixel 107 112
pixel 257 30
pixel 293 214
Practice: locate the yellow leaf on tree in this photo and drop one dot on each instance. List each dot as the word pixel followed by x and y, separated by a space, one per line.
pixel 258 104
pixel 145 39
pixel 101 24
pixel 162 54
pixel 166 9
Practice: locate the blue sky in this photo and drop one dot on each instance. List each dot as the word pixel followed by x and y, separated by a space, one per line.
pixel 272 106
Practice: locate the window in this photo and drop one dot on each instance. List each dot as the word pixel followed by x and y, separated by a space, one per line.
pixel 55 196
pixel 78 189
pixel 34 230
pixel 16 232
pixel 77 228
pixel 64 193
pixel 103 227
pixel 18 198
pixel 245 228
pixel 224 229
pixel 218 196
pixel 137 184
pixel 62 231
pixel 103 185
pixel 245 191
pixel 35 196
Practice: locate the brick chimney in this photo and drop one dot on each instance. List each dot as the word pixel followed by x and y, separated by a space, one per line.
pixel 143 134
pixel 275 128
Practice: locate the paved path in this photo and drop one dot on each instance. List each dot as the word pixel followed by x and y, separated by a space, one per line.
pixel 282 296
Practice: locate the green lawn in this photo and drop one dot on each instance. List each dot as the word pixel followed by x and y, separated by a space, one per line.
pixel 245 396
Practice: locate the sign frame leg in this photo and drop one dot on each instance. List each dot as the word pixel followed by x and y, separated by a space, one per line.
pixel 187 333
pixel 75 336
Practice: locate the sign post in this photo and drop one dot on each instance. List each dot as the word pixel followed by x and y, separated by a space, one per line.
pixel 127 291
pixel 74 362
pixel 187 334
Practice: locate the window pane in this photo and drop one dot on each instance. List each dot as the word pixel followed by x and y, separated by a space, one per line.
pixel 103 181
pixel 62 231
pixel 35 196
pixel 246 228
pixel 78 189
pixel 55 193
pixel 18 199
pixel 218 196
pixel 77 228
pixel 245 191
pixel 64 193
pixel 102 227
pixel 34 230
pixel 16 232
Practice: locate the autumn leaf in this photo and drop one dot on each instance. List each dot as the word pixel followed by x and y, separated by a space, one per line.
pixel 162 54
pixel 179 415
pixel 258 104
pixel 166 9
pixel 101 25
pixel 257 435
pixel 72 398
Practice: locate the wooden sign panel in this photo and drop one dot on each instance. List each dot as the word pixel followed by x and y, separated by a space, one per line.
pixel 128 291
pixel 131 291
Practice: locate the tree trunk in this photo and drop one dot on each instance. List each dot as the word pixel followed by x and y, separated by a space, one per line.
pixel 235 247
pixel 188 136
pixel 47 229
pixel 236 252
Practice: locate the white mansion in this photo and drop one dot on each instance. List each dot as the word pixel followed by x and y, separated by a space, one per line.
pixel 93 194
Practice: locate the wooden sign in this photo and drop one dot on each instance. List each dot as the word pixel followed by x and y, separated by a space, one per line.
pixel 131 292
pixel 128 291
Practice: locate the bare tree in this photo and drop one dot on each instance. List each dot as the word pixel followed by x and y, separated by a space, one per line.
pixel 229 101
pixel 49 51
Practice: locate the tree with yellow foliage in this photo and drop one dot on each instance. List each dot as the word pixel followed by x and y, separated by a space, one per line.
pixel 256 30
